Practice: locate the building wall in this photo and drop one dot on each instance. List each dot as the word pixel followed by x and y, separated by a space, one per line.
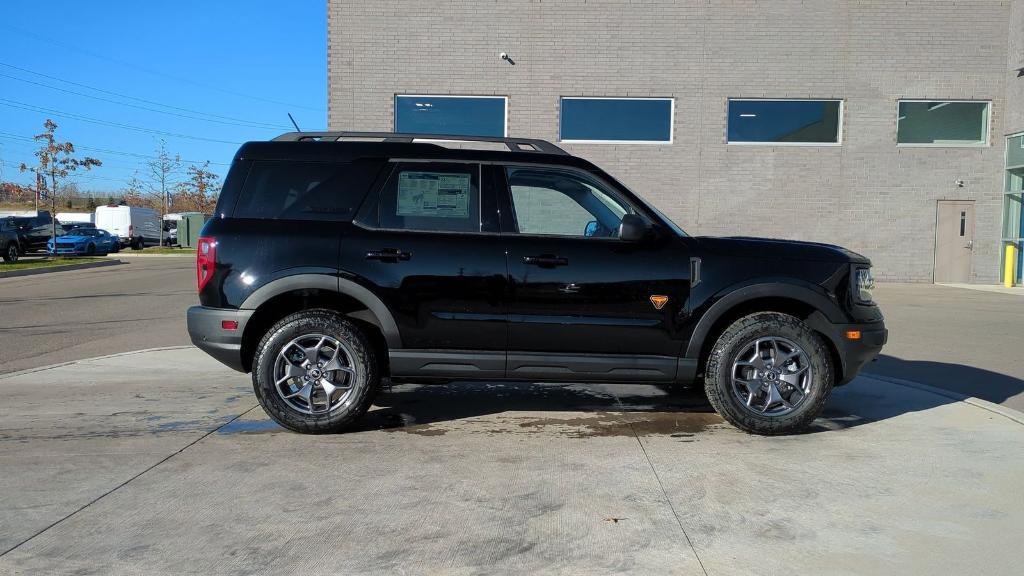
pixel 867 194
pixel 1014 123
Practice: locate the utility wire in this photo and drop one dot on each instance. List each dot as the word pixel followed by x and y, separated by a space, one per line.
pixel 29 139
pixel 40 109
pixel 118 94
pixel 149 71
pixel 169 113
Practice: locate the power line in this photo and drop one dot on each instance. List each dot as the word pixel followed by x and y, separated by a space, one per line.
pixel 149 71
pixel 18 137
pixel 230 120
pixel 40 109
pixel 267 127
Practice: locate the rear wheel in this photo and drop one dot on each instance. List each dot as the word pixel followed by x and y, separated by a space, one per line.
pixel 315 372
pixel 769 373
pixel 137 243
pixel 11 253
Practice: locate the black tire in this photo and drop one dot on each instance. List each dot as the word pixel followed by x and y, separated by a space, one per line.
pixel 137 243
pixel 11 253
pixel 90 250
pixel 735 340
pixel 365 384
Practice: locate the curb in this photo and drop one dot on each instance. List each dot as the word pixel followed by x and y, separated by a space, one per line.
pixel 1008 413
pixel 60 268
pixel 70 362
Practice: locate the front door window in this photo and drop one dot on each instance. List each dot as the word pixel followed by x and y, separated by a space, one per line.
pixel 561 203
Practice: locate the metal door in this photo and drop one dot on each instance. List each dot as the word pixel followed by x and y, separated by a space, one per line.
pixel 954 240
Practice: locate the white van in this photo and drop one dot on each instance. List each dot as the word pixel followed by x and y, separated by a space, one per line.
pixel 136 227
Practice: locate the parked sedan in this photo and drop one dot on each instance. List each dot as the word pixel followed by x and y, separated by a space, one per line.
pixel 84 242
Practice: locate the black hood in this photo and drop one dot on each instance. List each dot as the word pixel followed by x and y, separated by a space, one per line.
pixel 745 246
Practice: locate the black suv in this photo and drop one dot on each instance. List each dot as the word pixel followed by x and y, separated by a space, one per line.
pixel 336 259
pixel 35 231
pixel 10 240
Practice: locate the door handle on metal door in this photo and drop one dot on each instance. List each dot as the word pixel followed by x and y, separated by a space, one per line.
pixel 546 260
pixel 388 255
pixel 970 245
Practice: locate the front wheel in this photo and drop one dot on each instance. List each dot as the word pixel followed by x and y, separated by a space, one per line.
pixel 315 372
pixel 11 254
pixel 90 250
pixel 769 374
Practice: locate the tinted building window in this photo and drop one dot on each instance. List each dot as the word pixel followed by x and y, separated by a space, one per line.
pixel 784 121
pixel 942 123
pixel 455 115
pixel 433 197
pixel 616 119
pixel 305 190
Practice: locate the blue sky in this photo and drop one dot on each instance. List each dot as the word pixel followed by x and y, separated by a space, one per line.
pixel 213 73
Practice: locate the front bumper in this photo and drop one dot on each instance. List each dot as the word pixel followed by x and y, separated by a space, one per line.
pixel 67 249
pixel 206 329
pixel 855 354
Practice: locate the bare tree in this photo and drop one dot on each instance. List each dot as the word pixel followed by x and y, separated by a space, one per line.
pixel 160 181
pixel 56 162
pixel 199 192
pixel 132 192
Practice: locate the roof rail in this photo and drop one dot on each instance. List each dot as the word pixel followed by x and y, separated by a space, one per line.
pixel 513 144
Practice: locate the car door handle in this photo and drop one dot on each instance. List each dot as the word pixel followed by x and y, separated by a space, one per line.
pixel 388 255
pixel 546 261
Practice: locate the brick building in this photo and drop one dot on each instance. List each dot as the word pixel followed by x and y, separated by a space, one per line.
pixel 887 127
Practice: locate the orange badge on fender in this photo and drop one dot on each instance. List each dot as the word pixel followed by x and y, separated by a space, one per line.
pixel 659 301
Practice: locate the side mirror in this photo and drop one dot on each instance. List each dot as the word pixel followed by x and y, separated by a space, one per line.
pixel 632 229
pixel 591 229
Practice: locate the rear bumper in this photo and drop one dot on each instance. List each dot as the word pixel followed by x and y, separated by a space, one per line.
pixel 206 329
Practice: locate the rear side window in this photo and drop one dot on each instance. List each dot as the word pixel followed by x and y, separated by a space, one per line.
pixel 433 197
pixel 305 190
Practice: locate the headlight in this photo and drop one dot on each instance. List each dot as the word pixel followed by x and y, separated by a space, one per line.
pixel 864 284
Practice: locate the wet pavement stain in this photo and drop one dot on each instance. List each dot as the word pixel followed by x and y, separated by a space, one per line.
pixel 251 427
pixel 684 426
pixel 635 424
pixel 423 430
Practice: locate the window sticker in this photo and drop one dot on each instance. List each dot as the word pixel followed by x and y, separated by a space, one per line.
pixel 433 194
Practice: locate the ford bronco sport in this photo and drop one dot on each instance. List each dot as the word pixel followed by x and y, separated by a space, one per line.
pixel 336 259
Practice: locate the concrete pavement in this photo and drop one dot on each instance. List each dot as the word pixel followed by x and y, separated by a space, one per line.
pixel 963 340
pixel 62 316
pixel 156 462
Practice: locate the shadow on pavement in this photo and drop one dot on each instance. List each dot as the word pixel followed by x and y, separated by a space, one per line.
pixel 586 410
pixel 968 380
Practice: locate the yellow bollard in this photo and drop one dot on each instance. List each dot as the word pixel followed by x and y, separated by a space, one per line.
pixel 1009 268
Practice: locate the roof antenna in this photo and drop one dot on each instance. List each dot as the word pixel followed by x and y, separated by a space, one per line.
pixel 294 123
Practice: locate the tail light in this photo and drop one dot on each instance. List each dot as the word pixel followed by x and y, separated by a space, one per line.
pixel 206 258
pixel 131 230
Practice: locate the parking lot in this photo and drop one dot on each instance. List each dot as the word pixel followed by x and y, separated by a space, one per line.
pixel 161 461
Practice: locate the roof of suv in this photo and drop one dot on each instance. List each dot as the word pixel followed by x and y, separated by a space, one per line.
pixel 327 146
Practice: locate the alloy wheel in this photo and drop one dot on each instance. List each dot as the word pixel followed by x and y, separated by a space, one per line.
pixel 314 374
pixel 771 376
